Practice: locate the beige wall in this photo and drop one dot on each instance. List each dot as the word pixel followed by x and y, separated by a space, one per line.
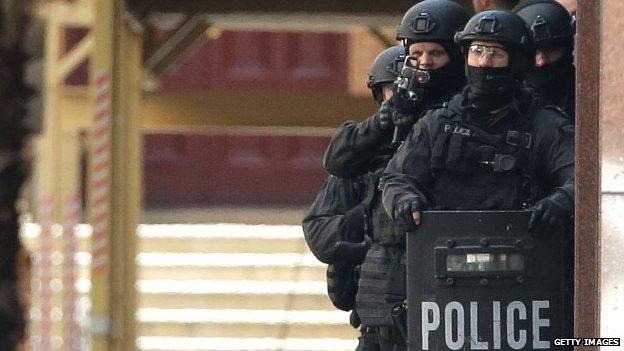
pixel 205 109
pixel 612 139
pixel 363 49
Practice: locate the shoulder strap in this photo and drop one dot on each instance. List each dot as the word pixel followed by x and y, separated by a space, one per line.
pixel 370 180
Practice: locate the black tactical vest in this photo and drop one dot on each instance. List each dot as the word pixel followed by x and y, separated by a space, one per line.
pixel 382 277
pixel 475 169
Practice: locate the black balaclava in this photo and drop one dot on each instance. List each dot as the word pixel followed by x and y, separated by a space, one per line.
pixel 491 88
pixel 546 79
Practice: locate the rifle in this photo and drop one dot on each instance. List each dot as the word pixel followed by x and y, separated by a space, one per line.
pixel 408 89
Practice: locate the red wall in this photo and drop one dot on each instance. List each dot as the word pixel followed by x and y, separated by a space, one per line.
pixel 80 75
pixel 276 61
pixel 243 60
pixel 253 168
pixel 249 168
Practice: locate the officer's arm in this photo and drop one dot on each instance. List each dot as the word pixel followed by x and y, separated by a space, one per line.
pixel 336 216
pixel 353 147
pixel 555 138
pixel 408 175
pixel 559 153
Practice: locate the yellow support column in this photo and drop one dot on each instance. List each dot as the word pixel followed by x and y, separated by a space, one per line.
pixel 100 174
pixel 126 190
pixel 57 172
pixel 115 191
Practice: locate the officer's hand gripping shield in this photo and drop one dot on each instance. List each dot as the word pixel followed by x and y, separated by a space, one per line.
pixel 481 281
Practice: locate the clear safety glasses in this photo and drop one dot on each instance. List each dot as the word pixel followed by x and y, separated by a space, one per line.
pixel 482 50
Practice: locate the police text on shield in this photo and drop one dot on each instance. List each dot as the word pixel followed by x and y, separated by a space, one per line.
pixel 454 318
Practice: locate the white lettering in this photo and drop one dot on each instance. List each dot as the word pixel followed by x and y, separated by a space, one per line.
pixel 455 320
pixel 538 323
pixel 514 343
pixel 429 324
pixel 463 131
pixel 496 319
pixel 475 344
pixel 448 325
pixel 456 130
pixel 567 342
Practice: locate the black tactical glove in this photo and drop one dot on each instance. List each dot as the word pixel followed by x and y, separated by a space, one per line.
pixel 383 118
pixel 403 112
pixel 404 212
pixel 551 211
pixel 403 120
pixel 349 251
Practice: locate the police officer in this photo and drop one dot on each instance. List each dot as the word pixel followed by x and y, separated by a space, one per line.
pixel 494 146
pixel 335 226
pixel 337 214
pixel 427 31
pixel 553 74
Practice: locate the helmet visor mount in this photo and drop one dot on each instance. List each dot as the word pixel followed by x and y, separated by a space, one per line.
pixel 487 26
pixel 422 24
pixel 541 29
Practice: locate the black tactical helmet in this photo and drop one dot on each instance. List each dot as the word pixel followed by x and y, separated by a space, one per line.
pixel 385 69
pixel 549 21
pixel 432 20
pixel 504 27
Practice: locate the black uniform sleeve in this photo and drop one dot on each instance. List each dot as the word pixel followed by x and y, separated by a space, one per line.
pixel 354 146
pixel 555 149
pixel 408 174
pixel 336 215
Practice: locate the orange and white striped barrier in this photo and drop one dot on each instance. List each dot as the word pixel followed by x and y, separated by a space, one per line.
pixel 45 274
pixel 100 174
pixel 24 279
pixel 71 329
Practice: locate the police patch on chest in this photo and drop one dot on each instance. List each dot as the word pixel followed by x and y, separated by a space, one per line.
pixel 455 129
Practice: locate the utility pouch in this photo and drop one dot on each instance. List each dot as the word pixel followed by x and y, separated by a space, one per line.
pixel 342 284
pixel 396 288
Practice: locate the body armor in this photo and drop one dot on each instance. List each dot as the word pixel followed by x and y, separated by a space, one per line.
pixel 473 167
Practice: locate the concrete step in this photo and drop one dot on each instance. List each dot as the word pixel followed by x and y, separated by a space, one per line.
pixel 217 266
pixel 206 238
pixel 248 266
pixel 216 301
pixel 222 287
pixel 212 266
pixel 221 238
pixel 251 295
pixel 245 323
pixel 170 259
pixel 222 245
pixel 215 294
pixel 160 343
pixel 232 273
